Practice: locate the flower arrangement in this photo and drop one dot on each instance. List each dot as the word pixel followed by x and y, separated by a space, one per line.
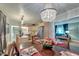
pixel 47 43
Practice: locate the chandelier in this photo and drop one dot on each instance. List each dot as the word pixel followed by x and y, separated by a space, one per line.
pixel 48 14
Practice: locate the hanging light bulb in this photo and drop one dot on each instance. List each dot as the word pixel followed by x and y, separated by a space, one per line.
pixel 22 21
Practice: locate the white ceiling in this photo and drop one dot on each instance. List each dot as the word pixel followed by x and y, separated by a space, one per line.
pixel 31 11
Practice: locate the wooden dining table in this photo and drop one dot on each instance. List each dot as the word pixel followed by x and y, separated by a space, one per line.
pixel 41 51
pixel 38 45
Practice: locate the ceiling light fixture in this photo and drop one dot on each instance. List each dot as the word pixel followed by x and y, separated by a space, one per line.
pixel 48 14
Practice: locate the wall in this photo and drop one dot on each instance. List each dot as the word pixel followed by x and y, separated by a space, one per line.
pixel 66 17
pixel 8 33
pixel 73 27
pixel 74 30
pixel 15 31
pixel 9 29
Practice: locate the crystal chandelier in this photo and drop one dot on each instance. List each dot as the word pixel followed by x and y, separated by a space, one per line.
pixel 48 14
